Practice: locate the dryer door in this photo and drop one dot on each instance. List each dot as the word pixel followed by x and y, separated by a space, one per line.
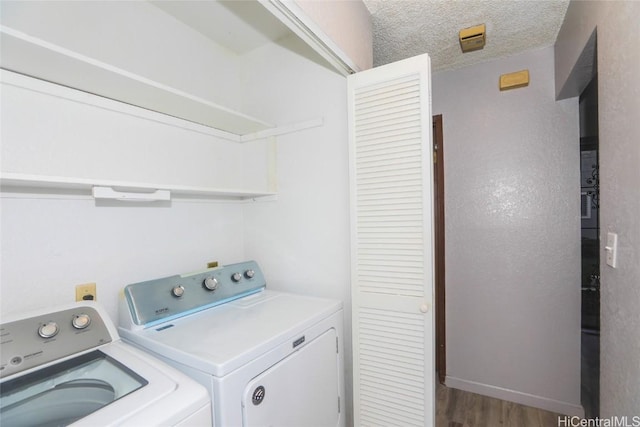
pixel 300 390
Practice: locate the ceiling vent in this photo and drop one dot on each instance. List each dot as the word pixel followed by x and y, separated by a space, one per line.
pixel 472 38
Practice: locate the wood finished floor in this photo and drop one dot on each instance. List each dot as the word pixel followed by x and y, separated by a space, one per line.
pixel 457 408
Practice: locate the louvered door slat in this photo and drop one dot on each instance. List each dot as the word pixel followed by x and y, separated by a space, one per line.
pixel 390 153
pixel 382 143
pixel 409 176
pixel 381 102
pixel 391 230
pixel 387 87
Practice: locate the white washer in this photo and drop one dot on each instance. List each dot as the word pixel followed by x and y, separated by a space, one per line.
pixel 69 367
pixel 268 358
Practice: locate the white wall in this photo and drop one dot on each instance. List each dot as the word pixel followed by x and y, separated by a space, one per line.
pixel 512 186
pixel 302 239
pixel 618 62
pixel 45 134
pixel 50 243
pixel 304 235
pixel 348 24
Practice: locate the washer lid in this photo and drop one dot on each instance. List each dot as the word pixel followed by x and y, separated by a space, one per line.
pixel 63 404
pixel 221 339
pixel 65 392
pixel 145 391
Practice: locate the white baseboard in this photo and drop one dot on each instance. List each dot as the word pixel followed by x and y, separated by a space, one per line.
pixel 547 404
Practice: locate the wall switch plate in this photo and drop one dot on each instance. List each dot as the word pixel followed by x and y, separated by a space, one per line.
pixel 86 292
pixel 611 250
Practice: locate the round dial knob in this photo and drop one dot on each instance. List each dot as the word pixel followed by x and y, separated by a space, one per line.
pixel 249 274
pixel 210 283
pixel 81 321
pixel 48 330
pixel 236 277
pixel 178 291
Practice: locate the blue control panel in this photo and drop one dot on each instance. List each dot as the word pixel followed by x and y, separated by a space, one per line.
pixel 158 300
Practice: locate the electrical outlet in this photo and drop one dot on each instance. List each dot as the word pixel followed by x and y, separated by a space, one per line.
pixel 86 292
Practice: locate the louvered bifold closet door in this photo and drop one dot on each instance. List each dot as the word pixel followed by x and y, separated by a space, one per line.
pixel 392 244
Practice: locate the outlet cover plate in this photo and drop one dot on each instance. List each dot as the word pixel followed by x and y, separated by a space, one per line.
pixel 86 292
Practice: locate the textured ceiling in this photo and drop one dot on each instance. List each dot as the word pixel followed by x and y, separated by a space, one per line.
pixel 405 28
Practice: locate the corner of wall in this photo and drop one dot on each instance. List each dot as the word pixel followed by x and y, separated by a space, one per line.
pixel 574 51
pixel 585 67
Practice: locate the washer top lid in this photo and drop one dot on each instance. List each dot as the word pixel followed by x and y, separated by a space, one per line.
pixel 223 338
pixel 167 396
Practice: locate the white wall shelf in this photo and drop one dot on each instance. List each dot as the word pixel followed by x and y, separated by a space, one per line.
pixel 23 57
pixel 25 54
pixel 51 60
pixel 52 53
pixel 61 91
pixel 19 182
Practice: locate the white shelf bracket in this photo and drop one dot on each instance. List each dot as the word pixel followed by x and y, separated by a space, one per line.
pixel 269 198
pixel 283 130
pixel 111 194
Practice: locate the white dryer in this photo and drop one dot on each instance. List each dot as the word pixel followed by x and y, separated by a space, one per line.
pixel 69 367
pixel 268 358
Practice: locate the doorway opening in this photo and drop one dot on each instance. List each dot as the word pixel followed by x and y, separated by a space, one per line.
pixel 590 244
pixel 438 203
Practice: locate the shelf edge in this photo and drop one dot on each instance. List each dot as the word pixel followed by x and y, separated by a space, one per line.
pixel 13 37
pixel 20 181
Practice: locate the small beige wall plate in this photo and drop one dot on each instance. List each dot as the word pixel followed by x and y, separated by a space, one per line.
pixel 514 80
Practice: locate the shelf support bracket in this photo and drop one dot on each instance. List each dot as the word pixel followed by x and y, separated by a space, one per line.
pixel 282 130
pixel 111 194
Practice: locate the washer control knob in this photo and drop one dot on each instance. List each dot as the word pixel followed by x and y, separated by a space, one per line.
pixel 210 283
pixel 236 277
pixel 178 291
pixel 48 330
pixel 81 321
pixel 249 274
